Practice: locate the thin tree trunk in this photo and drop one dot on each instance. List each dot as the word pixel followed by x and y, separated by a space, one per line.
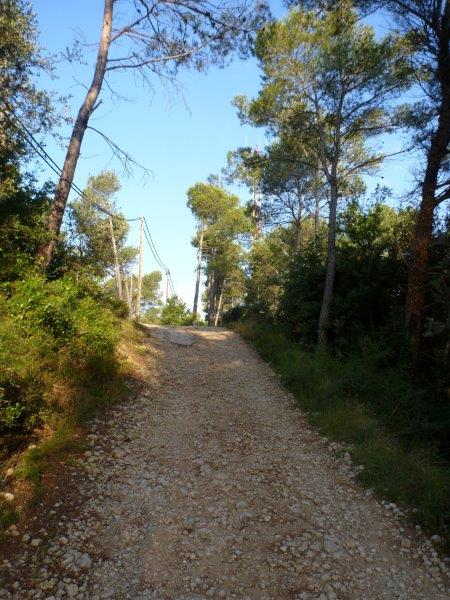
pixel 167 287
pixel 298 231
pixel 199 270
pixel 256 209
pixel 212 297
pixel 219 306
pixel 438 150
pixel 79 129
pixel 126 282
pixel 116 260
pixel 327 298
pixel 316 220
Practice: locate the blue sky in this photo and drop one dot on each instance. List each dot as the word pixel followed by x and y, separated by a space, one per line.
pixel 182 135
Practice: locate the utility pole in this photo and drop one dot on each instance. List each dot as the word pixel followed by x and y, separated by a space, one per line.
pixel 116 259
pixel 199 269
pixel 130 279
pixel 141 268
pixel 167 285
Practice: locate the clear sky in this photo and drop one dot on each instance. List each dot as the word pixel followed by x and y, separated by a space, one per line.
pixel 182 135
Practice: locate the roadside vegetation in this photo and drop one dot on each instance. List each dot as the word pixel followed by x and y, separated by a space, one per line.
pixel 366 401
pixel 338 283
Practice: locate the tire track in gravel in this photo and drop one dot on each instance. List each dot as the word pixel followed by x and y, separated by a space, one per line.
pixel 212 485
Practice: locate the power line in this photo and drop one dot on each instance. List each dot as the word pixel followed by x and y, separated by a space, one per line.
pixel 157 257
pixel 43 154
pixel 37 147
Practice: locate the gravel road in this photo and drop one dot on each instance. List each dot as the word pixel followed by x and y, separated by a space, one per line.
pixel 212 485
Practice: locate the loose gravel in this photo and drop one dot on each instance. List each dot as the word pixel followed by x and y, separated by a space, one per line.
pixel 212 485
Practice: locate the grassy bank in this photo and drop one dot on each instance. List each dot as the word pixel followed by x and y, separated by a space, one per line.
pixel 352 401
pixel 61 362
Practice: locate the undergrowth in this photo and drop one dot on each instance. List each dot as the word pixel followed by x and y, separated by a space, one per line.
pixel 350 399
pixel 59 366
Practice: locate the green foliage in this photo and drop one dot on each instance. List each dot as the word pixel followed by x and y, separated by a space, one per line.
pixel 20 64
pixel 268 262
pixel 55 337
pixel 22 222
pixel 90 229
pixel 150 287
pixel 222 223
pixel 326 82
pixel 351 399
pixel 175 312
pixel 371 253
pixel 152 314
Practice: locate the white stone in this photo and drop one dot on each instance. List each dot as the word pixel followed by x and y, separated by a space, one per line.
pixel 7 496
pixel 36 542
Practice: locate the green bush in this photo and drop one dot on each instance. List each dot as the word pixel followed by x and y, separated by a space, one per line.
pixel 175 312
pixel 54 337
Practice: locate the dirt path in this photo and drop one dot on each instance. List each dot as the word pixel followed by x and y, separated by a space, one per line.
pixel 213 486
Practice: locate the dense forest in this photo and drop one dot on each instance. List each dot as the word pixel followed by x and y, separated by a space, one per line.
pixel 340 285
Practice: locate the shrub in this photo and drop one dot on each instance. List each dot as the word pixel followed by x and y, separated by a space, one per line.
pixel 175 312
pixel 54 338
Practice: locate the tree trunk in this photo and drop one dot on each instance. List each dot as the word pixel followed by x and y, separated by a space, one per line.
pixel 327 298
pixel 199 270
pixel 73 151
pixel 131 295
pixel 116 259
pixel 256 210
pixel 437 153
pixel 298 224
pixel 211 300
pixel 219 306
pixel 127 286
pixel 316 220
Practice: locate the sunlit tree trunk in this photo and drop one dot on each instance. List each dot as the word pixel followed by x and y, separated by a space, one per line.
pixel 79 129
pixel 219 306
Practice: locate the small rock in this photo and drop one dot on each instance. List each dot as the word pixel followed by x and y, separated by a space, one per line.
pixel 12 530
pixel 330 544
pixel 7 496
pixel 85 561
pixel 72 590
pixel 436 539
